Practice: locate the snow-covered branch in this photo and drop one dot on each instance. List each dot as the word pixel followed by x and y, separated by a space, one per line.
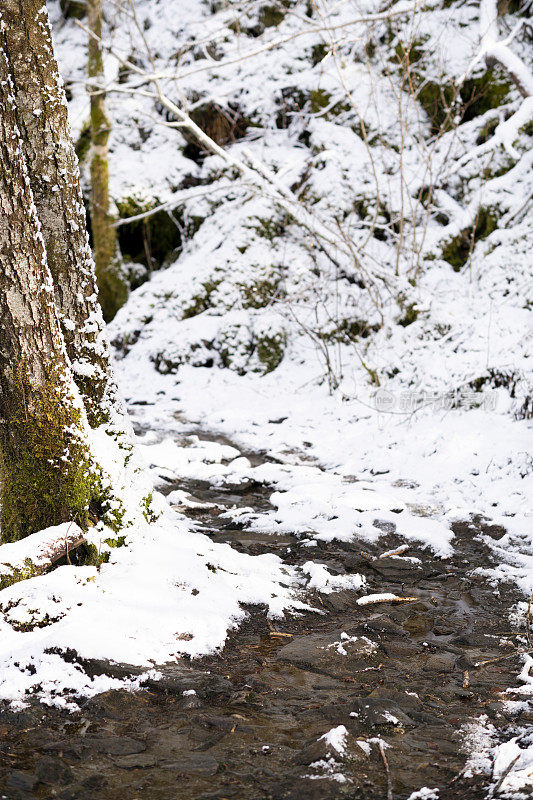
pixel 36 553
pixel 497 51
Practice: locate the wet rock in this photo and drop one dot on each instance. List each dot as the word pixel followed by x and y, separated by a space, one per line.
pixel 117 745
pixel 376 712
pixel 314 751
pixel 442 627
pixel 65 747
pixel 22 720
pixel 468 639
pixel 85 790
pixel 319 749
pixel 96 666
pixel 217 722
pixel 394 568
pixel 21 780
pixel 330 653
pixel 75 792
pixel 136 761
pixel 53 770
pixel 441 662
pixel 311 790
pixel 418 624
pixel 193 763
pixel 401 649
pixel 190 701
pixel 403 698
pixel 178 678
pixel 384 525
pixel 339 601
pixel 94 782
pixel 382 623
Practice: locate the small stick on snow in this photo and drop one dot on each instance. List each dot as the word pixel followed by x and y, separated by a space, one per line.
pixel 396 552
pixel 384 598
pixel 504 774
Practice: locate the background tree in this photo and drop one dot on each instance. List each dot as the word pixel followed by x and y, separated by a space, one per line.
pixel 111 284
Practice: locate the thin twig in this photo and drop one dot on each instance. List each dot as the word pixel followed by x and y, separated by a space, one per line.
pixel 528 621
pixel 502 658
pixel 387 770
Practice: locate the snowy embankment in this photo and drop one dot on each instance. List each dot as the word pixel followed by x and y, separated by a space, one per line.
pixel 167 591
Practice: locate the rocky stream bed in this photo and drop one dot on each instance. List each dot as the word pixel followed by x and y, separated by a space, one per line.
pixel 407 681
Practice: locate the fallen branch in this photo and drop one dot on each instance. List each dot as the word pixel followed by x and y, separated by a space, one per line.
pixel 36 553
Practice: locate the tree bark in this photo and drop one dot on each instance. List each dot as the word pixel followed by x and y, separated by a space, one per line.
pixel 47 476
pixel 54 177
pixel 111 285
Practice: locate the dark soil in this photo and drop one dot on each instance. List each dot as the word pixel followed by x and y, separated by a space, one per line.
pixel 252 729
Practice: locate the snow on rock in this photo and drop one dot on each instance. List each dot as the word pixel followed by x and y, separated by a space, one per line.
pixel 323 581
pixel 336 739
pixel 425 793
pixel 346 640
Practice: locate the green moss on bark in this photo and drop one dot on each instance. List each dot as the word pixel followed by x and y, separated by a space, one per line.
pixel 47 476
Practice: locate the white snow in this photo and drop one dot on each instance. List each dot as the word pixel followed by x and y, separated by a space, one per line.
pixel 346 640
pixel 384 597
pixel 336 739
pixel 323 581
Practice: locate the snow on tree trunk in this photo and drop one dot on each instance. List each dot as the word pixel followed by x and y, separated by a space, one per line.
pixel 111 285
pixel 54 177
pixel 47 475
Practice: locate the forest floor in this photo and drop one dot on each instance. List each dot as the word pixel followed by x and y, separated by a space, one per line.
pixel 349 700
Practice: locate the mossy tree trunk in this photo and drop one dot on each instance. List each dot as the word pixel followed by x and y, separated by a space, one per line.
pixel 112 287
pixel 47 475
pixel 54 177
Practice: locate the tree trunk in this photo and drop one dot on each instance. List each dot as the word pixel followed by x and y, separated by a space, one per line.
pixel 47 476
pixel 54 176
pixel 111 285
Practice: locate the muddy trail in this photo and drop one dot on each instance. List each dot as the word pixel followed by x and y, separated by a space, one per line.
pixel 405 680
